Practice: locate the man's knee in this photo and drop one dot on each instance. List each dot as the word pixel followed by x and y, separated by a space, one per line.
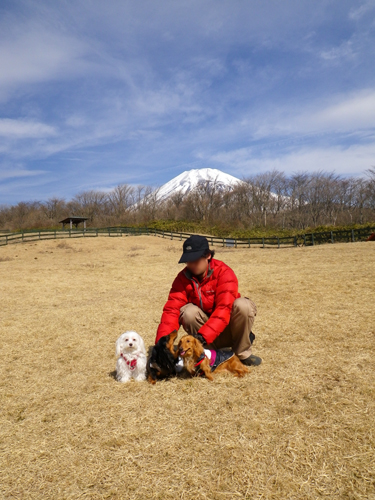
pixel 244 306
pixel 189 314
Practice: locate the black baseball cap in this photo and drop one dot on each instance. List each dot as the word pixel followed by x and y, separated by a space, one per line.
pixel 194 248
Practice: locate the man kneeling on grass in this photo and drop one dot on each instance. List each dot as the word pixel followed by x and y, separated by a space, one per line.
pixel 204 299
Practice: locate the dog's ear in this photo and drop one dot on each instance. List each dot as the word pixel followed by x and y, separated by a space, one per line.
pixel 142 344
pixel 195 346
pixel 118 347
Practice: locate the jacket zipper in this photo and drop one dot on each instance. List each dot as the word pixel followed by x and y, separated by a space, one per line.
pixel 199 293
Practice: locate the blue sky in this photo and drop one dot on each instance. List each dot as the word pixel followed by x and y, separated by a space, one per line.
pixel 94 94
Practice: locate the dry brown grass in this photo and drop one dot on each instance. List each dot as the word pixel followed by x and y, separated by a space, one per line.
pixel 300 426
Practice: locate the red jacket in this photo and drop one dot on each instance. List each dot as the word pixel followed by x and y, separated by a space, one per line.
pixel 215 295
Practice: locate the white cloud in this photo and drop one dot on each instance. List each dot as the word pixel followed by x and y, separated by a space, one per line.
pixel 11 171
pixel 22 129
pixel 358 13
pixel 352 160
pixel 33 54
pixel 344 50
pixel 354 112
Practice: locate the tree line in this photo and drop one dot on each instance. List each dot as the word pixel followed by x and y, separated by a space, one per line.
pixel 270 199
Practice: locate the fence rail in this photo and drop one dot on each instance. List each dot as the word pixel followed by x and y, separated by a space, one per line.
pixel 307 239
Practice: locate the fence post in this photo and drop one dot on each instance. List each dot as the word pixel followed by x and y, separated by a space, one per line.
pixel 22 235
pixel 295 241
pixel 304 239
pixel 278 242
pixel 6 239
pixel 312 238
pixel 163 234
pixel 332 237
pixel 353 239
pixel 171 235
pixel 180 236
pixel 235 243
pixel 223 242
pixel 39 234
pixel 263 242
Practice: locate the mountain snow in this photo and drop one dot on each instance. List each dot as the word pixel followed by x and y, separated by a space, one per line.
pixel 190 179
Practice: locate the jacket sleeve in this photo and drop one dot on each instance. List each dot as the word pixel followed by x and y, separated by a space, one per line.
pixel 226 293
pixel 171 311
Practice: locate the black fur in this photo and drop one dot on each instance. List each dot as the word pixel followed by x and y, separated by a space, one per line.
pixel 162 363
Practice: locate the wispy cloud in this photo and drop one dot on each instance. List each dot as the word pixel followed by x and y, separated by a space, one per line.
pixel 346 161
pixel 359 12
pixel 342 114
pixel 21 129
pixel 38 56
pixel 15 171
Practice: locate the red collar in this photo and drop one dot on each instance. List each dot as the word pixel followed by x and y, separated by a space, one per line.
pixel 131 364
pixel 201 359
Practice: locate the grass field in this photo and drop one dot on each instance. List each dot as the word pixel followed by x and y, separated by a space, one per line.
pixel 300 426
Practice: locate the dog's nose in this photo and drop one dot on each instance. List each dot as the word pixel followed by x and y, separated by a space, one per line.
pixel 130 345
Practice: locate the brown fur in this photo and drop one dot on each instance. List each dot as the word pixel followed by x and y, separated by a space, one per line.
pixel 192 349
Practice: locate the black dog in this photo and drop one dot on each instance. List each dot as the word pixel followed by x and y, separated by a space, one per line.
pixel 163 359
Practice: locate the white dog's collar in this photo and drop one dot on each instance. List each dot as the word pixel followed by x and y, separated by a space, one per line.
pixel 131 364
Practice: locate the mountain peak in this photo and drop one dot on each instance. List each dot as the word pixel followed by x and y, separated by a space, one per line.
pixel 190 179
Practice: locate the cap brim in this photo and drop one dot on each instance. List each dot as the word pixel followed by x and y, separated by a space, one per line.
pixel 191 256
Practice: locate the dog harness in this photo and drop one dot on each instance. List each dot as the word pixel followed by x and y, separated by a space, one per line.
pixel 131 364
pixel 216 358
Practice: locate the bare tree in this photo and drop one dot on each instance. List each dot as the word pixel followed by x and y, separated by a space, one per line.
pixel 370 173
pixel 267 194
pixel 54 209
pixel 119 200
pixel 296 191
pixel 204 202
pixel 90 204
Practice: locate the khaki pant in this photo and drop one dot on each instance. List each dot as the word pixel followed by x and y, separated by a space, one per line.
pixel 236 335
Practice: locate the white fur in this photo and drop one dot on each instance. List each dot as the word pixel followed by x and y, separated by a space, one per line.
pixel 131 346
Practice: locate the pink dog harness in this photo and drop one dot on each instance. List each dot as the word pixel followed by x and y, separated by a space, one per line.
pixel 131 364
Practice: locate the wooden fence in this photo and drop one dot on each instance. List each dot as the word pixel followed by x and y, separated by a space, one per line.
pixel 307 239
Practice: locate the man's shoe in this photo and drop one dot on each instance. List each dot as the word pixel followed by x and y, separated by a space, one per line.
pixel 252 360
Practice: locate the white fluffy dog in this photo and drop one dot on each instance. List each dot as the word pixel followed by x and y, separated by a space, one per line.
pixel 131 354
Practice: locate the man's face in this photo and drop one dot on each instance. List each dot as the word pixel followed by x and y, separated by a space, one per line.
pixel 198 266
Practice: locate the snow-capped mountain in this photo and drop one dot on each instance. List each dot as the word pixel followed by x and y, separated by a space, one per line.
pixel 190 179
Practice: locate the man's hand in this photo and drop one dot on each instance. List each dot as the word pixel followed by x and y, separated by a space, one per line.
pixel 201 339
